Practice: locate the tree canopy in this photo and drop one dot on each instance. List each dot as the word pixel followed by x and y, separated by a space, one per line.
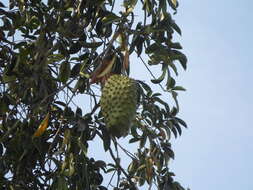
pixel 49 52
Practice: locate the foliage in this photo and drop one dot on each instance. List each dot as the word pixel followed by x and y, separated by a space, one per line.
pixel 48 52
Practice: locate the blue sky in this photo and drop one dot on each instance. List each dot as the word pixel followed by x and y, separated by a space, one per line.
pixel 217 150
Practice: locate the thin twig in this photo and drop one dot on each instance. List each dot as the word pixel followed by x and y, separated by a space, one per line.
pixel 116 161
pixel 58 90
pixel 111 179
pixel 121 169
pixel 113 3
pixel 110 43
pixel 127 152
pixel 151 72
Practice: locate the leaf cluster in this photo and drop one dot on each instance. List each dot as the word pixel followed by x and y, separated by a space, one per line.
pixel 48 52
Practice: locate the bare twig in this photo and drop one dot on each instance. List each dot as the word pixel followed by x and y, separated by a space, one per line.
pixel 58 90
pixel 127 152
pixel 116 161
pixel 121 169
pixel 151 72
pixel 111 179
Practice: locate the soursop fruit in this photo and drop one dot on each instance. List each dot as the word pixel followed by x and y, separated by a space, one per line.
pixel 118 104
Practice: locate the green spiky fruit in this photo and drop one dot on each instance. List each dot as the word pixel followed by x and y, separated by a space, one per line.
pixel 119 104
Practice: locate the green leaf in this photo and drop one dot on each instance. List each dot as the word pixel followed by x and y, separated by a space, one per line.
pixel 79 112
pixel 82 147
pixel 139 45
pixel 175 45
pixel 62 183
pixel 167 149
pixel 65 71
pixel 3 106
pixel 143 141
pixel 181 122
pixel 176 28
pixel 55 58
pixel 75 70
pixel 170 83
pixel 174 2
pixel 168 132
pixel 177 55
pixel 145 86
pixel 8 78
pixel 81 85
pixel 133 44
pixel 183 60
pixel 110 170
pixel 108 19
pixel 100 164
pixel 152 48
pixel 178 88
pixel 60 103
pixel 160 79
pixel 172 65
pixel 74 48
pixel 133 140
pixel 106 139
pixel 178 129
pixel 147 6
pixel 92 44
pixel 156 94
pixel 174 95
pixel 130 4
pixel 174 131
pixel 163 6
pixel 174 111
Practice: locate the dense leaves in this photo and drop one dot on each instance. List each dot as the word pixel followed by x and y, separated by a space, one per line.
pixel 49 51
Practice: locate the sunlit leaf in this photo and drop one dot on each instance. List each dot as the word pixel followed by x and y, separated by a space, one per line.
pixel 108 19
pixel 174 2
pixel 42 127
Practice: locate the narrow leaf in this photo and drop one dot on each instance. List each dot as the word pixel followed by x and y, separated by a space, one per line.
pixel 179 88
pixel 42 127
pixel 110 19
pixel 152 48
pixel 160 79
pixel 181 122
pixel 176 28
pixel 64 71
pixel 174 95
pixel 92 45
pixel 174 2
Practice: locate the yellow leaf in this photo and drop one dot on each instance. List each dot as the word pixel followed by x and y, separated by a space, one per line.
pixel 42 128
pixel 174 2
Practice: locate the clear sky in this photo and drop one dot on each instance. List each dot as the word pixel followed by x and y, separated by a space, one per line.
pixel 216 152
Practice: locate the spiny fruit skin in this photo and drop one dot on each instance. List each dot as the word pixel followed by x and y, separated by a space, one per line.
pixel 118 104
